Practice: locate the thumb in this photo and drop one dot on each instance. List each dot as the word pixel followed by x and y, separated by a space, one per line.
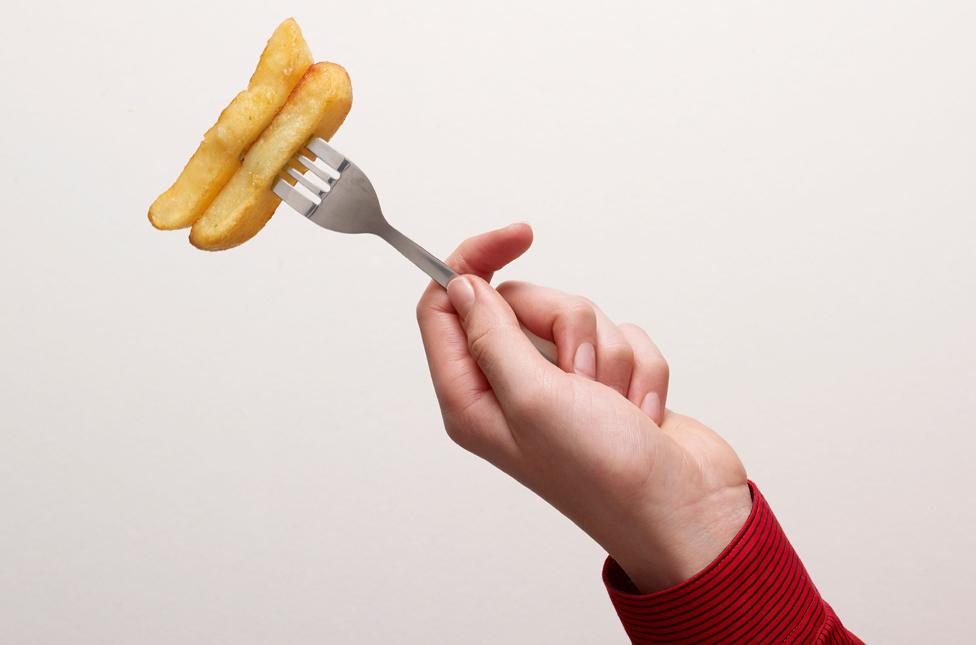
pixel 503 352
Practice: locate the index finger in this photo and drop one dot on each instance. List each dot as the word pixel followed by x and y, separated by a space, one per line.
pixel 457 378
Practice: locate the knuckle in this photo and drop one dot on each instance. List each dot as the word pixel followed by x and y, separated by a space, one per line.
pixel 462 422
pixel 618 353
pixel 631 328
pixel 480 345
pixel 579 304
pixel 456 431
pixel 574 313
pixel 657 367
pixel 649 357
pixel 663 369
pixel 509 286
pixel 459 261
pixel 460 433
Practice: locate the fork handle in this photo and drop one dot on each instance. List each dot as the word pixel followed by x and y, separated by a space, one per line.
pixel 442 274
pixel 437 270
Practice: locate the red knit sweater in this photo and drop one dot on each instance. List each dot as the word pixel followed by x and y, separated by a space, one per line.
pixel 756 591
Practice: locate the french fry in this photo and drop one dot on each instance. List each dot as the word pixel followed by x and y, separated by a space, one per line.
pixel 316 107
pixel 283 62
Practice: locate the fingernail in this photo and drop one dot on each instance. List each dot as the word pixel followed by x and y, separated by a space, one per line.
pixel 584 363
pixel 651 405
pixel 461 294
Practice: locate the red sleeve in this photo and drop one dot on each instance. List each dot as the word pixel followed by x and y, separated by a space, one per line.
pixel 756 591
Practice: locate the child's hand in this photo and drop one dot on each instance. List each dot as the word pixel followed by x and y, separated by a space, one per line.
pixel 660 492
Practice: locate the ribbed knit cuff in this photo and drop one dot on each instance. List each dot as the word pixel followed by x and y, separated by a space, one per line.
pixel 755 591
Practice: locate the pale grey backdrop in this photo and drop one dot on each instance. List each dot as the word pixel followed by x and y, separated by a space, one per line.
pixel 244 448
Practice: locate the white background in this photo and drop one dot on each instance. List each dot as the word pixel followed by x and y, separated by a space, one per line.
pixel 244 447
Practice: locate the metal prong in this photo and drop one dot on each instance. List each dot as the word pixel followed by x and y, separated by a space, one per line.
pixel 321 174
pixel 326 152
pixel 308 183
pixel 293 198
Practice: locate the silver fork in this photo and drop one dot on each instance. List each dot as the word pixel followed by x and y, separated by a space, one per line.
pixel 341 198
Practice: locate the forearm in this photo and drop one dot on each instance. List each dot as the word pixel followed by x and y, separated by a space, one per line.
pixel 660 554
pixel 756 591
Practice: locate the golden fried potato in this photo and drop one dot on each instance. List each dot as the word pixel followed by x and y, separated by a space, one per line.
pixel 316 107
pixel 283 62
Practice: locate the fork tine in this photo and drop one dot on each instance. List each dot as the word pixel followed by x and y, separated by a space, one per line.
pixel 308 183
pixel 326 152
pixel 293 198
pixel 321 174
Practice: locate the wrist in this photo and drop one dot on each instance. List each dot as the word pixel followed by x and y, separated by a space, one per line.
pixel 663 553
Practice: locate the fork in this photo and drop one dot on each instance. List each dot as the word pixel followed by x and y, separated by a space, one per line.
pixel 341 198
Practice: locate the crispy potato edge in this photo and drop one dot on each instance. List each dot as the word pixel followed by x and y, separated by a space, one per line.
pixel 284 60
pixel 224 226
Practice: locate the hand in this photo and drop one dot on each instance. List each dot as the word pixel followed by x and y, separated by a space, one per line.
pixel 659 491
